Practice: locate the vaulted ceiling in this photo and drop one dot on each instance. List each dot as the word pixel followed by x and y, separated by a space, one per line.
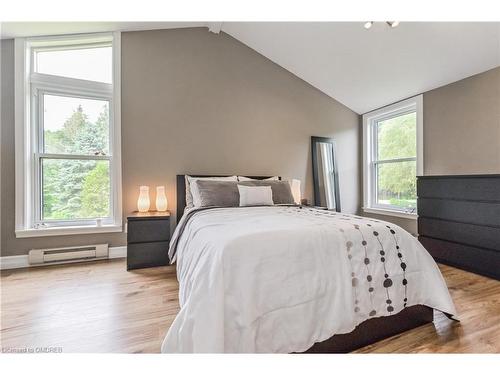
pixel 367 69
pixel 363 69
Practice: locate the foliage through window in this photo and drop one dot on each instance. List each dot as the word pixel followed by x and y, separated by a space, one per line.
pixel 72 188
pixel 392 157
pixel 396 161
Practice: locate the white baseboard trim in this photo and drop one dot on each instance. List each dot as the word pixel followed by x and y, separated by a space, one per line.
pixel 21 261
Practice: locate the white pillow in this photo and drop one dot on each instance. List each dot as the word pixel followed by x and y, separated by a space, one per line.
pixel 189 180
pixel 255 195
pixel 243 178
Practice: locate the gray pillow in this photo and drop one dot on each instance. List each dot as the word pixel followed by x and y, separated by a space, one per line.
pixel 208 193
pixel 282 193
pixel 190 179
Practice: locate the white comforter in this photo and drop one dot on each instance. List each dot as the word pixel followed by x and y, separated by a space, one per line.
pixel 279 279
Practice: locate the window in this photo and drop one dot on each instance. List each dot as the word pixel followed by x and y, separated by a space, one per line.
pixel 68 169
pixel 392 151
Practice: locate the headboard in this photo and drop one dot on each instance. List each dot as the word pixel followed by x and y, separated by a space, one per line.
pixel 181 189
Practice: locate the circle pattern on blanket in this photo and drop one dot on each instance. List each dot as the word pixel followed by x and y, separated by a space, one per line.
pixel 387 283
pixel 372 313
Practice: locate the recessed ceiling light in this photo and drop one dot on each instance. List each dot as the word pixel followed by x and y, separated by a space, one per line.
pixel 368 24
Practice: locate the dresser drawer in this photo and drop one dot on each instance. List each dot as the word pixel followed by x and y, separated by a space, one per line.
pixel 151 254
pixel 474 259
pixel 467 234
pixel 148 230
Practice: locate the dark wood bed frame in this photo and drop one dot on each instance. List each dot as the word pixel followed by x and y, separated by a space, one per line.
pixel 368 332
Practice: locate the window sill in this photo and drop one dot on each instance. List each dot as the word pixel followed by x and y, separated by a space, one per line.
pixel 381 211
pixel 63 231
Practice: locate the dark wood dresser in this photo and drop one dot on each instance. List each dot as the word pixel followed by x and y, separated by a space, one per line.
pixel 148 238
pixel 459 221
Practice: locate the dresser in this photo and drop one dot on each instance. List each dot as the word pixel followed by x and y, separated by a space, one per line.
pixel 148 238
pixel 459 221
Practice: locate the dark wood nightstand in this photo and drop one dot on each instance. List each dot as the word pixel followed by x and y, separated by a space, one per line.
pixel 148 238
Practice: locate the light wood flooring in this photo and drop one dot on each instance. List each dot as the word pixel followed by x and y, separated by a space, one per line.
pixel 100 307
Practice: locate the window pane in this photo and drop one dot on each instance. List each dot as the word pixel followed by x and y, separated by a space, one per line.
pixel 75 125
pixel 397 137
pixel 92 64
pixel 397 184
pixel 75 189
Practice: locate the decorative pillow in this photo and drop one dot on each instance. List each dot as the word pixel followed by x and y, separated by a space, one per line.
pixel 282 194
pixel 243 178
pixel 189 180
pixel 215 193
pixel 255 195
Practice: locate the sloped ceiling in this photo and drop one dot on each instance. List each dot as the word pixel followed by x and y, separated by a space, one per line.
pixel 367 69
pixel 363 69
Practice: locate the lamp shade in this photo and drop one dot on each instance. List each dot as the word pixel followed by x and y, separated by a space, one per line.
pixel 161 199
pixel 143 200
pixel 295 187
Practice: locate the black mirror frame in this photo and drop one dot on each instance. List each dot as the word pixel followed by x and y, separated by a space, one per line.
pixel 314 142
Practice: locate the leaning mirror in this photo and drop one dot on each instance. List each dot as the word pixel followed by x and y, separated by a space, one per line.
pixel 325 176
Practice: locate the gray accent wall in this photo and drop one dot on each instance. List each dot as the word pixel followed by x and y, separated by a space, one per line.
pixel 462 126
pixel 201 103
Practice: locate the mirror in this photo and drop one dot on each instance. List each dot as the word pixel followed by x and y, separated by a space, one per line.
pixel 325 176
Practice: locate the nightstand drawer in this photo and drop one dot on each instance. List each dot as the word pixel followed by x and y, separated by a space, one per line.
pixel 148 230
pixel 152 254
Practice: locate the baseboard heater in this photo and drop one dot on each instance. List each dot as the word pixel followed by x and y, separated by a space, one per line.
pixel 68 254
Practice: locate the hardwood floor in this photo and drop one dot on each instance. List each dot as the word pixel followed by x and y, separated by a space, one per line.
pixel 100 307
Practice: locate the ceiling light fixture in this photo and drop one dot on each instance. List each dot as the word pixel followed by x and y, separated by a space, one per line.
pixel 393 24
pixel 368 24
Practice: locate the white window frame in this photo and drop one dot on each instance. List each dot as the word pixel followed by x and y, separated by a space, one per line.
pixel 29 86
pixel 369 153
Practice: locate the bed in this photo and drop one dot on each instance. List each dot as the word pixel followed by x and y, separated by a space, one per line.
pixel 287 279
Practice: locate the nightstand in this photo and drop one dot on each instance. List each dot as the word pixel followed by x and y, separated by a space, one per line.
pixel 148 238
